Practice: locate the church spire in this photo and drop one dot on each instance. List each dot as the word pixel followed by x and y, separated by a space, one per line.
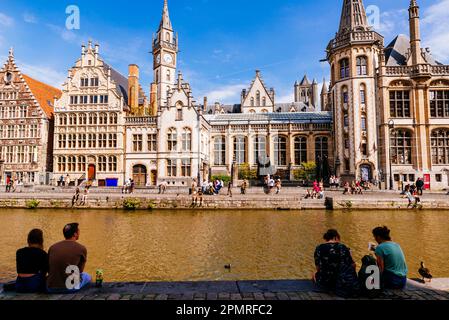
pixel 165 22
pixel 353 16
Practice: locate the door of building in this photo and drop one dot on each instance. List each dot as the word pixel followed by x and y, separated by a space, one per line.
pixel 154 177
pixel 140 175
pixel 91 172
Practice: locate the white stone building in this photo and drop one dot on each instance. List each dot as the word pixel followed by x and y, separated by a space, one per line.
pixel 89 137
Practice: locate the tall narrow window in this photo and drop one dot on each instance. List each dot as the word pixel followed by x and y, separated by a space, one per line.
pixel 321 148
pixel 102 164
pixel 186 168
pixel 112 141
pixel 152 142
pixel 258 98
pixel 344 68
pixel 300 150
pixel 112 164
pixel 81 164
pixel 362 94
pixel 280 151
pixel 172 139
pixel 401 147
pixel 361 64
pixel 240 150
pixel 187 140
pixel 171 168
pixel 440 147
pixel 220 151
pixel 137 143
pixel 260 148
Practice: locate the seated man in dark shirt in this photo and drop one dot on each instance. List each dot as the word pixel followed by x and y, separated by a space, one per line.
pixel 67 259
pixel 32 264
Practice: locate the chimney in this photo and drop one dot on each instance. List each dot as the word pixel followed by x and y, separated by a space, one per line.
pixel 153 99
pixel 133 88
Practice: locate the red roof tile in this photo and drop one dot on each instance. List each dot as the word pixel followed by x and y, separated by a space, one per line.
pixel 44 94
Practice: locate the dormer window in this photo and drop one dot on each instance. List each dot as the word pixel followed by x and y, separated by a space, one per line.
pixel 94 82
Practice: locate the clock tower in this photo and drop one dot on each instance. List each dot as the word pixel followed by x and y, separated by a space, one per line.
pixel 165 51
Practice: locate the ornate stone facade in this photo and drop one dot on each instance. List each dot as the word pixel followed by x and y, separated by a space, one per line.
pixel 26 126
pixel 90 122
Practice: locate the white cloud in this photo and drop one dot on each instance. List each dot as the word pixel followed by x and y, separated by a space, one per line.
pixel 43 73
pixel 435 24
pixel 227 94
pixel 66 35
pixel 286 98
pixel 5 20
pixel 30 18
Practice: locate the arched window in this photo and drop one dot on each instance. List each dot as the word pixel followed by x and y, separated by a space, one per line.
pixel 264 101
pixel 264 111
pixel 92 118
pixel 240 150
pixel 258 98
pixel 167 37
pixel 83 119
pixel 401 147
pixel 220 151
pixel 361 64
pixel 72 119
pixel 260 148
pixel 333 74
pixel 252 111
pixel 345 95
pixel 300 150
pixel 321 148
pixel 71 164
pixel 81 164
pixel 179 113
pixel 363 122
pixel 113 118
pixel 112 164
pixel 186 139
pixel 62 119
pixel 168 75
pixel 172 139
pixel 346 120
pixel 440 146
pixel 103 118
pixel 362 94
pixel 252 102
pixel 344 68
pixel 157 76
pixel 102 164
pixel 280 151
pixel 61 164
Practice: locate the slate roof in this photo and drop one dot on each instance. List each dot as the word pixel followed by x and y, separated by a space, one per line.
pixel 396 52
pixel 278 107
pixel 290 117
pixel 43 93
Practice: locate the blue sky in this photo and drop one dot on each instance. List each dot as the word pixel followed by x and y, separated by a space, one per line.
pixel 222 42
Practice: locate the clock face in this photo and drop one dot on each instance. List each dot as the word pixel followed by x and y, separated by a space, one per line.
pixel 168 58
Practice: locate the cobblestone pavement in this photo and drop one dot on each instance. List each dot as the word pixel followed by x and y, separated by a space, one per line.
pixel 230 290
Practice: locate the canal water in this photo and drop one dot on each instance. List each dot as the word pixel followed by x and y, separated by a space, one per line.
pixel 196 245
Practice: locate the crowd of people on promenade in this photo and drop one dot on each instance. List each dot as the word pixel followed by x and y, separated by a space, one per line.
pixel 61 270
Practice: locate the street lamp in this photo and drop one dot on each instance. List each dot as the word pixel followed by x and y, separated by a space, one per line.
pixel 391 127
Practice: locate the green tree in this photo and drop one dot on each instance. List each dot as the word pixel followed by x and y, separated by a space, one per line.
pixel 307 171
pixel 245 172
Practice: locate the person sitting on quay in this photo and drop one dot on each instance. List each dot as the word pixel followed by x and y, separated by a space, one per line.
pixel 278 186
pixel 84 197
pixel 163 187
pixel 390 260
pixel 32 265
pixel 347 188
pixel 335 267
pixel 413 200
pixel 63 256
pixel 332 182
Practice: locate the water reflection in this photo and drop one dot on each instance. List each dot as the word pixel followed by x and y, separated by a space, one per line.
pixel 183 245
